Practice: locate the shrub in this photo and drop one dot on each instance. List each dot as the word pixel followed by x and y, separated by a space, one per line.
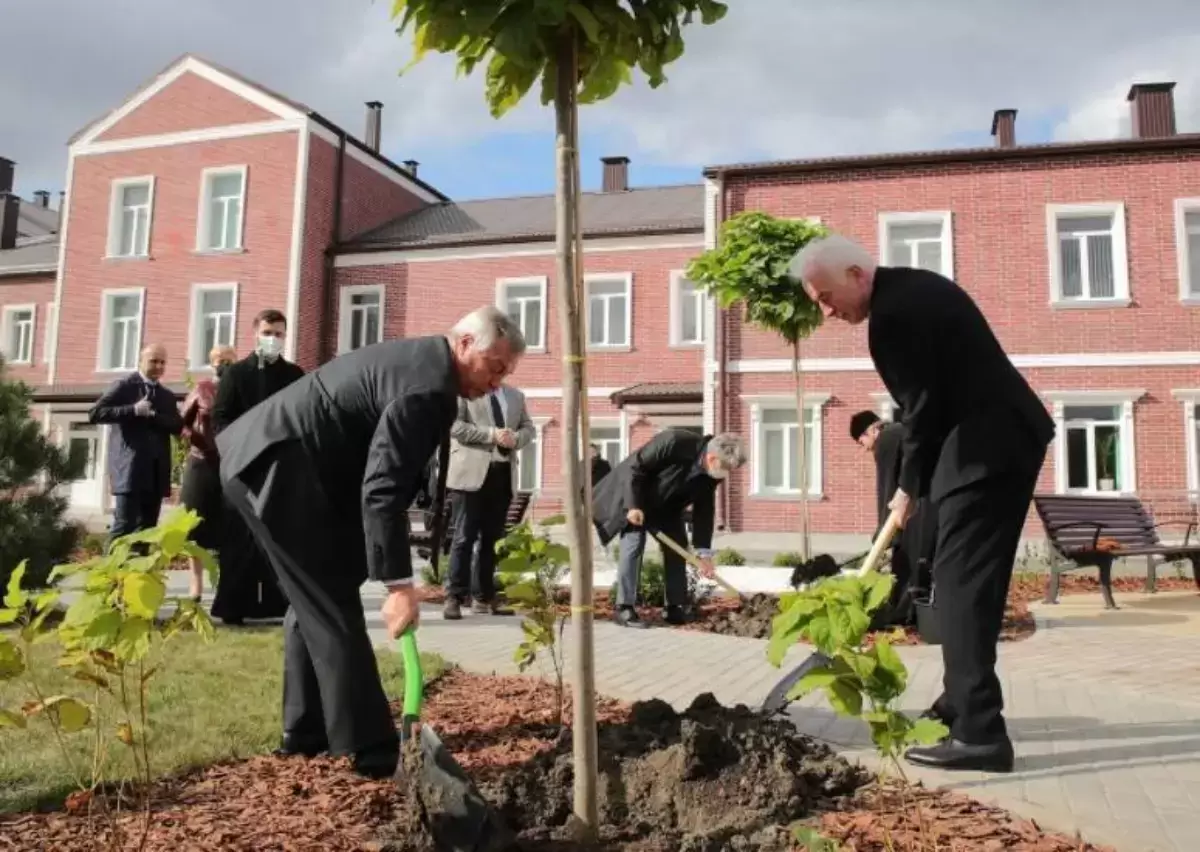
pixel 729 556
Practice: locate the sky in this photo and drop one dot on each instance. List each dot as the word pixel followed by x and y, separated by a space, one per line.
pixel 776 79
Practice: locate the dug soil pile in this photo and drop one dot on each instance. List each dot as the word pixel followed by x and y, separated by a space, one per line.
pixel 749 618
pixel 712 779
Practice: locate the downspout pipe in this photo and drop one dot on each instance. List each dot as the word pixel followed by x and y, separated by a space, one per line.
pixel 328 345
pixel 722 332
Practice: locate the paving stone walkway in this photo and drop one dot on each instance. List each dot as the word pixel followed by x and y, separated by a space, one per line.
pixel 1106 721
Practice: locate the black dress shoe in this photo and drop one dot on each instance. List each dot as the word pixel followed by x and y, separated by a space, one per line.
pixel 627 616
pixel 675 615
pixel 378 763
pixel 955 754
pixel 292 746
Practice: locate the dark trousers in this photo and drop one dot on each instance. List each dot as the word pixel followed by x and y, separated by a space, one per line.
pixel 979 530
pixel 134 512
pixel 331 688
pixel 629 564
pixel 479 516
pixel 912 566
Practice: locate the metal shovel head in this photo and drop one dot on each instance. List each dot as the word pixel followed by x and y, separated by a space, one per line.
pixel 456 814
pixel 777 699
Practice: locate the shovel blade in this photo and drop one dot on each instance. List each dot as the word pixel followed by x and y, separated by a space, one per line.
pixel 456 813
pixel 777 699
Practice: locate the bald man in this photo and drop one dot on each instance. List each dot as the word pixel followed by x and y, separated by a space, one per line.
pixel 144 415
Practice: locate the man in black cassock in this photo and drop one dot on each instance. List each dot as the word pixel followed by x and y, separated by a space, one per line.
pixel 246 586
pixel 912 551
pixel 324 473
pixel 975 438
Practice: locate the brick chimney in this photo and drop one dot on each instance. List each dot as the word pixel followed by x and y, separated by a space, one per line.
pixel 10 208
pixel 42 197
pixel 6 174
pixel 616 174
pixel 374 117
pixel 1152 108
pixel 1004 128
pixel 411 165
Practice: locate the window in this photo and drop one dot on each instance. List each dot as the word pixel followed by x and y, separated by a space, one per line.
pixel 608 440
pixel 17 340
pixel 1094 445
pixel 529 461
pixel 360 317
pixel 689 312
pixel 608 310
pixel 222 209
pixel 120 329
pixel 1087 254
pixel 1191 425
pixel 214 320
pixel 524 299
pixel 129 221
pixel 774 457
pixel 1187 245
pixel 918 240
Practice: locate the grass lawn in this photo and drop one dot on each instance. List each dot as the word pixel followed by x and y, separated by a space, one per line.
pixel 209 702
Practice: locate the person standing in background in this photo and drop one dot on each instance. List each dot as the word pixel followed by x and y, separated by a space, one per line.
pixel 200 488
pixel 247 587
pixel 144 415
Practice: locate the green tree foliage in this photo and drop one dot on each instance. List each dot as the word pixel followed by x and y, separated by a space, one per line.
pixel 517 41
pixel 33 527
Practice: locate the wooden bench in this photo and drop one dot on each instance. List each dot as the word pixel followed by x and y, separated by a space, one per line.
pixel 1086 531
pixel 422 539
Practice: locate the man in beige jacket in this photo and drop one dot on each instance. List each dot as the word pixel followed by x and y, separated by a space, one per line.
pixel 482 477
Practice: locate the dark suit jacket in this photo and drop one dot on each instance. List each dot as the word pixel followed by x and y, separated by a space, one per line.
pixel 968 413
pixel 662 479
pixel 248 382
pixel 368 421
pixel 139 448
pixel 887 467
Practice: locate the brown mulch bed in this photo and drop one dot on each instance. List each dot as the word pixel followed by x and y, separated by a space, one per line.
pixel 497 728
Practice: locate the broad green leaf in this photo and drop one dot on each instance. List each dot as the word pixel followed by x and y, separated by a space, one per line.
pixel 819 679
pixel 144 594
pixel 65 570
pixel 844 698
pixel 8 616
pixel 9 719
pixel 880 589
pixel 587 21
pixel 15 596
pixel 71 714
pixel 133 642
pixel 103 630
pixel 45 600
pixel 558 552
pixel 926 732
pixel 780 643
pixel 12 659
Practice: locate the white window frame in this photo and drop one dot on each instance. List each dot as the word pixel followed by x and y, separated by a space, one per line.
pixel 815 465
pixel 344 311
pixel 105 335
pixel 1125 401
pixel 114 217
pixel 885 406
pixel 6 343
pixel 502 285
pixel 945 218
pixel 678 279
pixel 539 450
pixel 617 423
pixel 51 323
pixel 627 279
pixel 1190 398
pixel 1120 259
pixel 203 219
pixel 197 355
pixel 1183 206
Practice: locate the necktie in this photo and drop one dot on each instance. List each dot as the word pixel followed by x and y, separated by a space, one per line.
pixel 498 418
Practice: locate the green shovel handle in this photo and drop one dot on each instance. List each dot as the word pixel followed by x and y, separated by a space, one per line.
pixel 414 678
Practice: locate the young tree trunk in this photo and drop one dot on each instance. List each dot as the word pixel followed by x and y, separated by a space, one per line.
pixel 801 454
pixel 566 113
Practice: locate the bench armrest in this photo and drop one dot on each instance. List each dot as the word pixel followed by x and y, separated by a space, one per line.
pixel 1098 527
pixel 1191 526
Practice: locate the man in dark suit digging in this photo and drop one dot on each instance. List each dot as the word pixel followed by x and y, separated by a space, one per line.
pixel 324 472
pixel 975 438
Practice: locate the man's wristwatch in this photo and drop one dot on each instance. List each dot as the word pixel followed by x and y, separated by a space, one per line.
pixel 705 552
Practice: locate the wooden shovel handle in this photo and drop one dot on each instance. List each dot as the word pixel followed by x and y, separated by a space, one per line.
pixel 691 559
pixel 882 542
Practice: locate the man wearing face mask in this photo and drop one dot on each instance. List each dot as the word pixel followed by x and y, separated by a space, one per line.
pixel 247 587
pixel 650 490
pixel 324 473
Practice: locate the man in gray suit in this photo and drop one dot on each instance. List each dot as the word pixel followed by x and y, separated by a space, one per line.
pixel 324 472
pixel 482 479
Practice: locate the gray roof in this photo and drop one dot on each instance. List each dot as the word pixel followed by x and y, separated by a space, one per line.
pixel 34 221
pixel 649 210
pixel 33 256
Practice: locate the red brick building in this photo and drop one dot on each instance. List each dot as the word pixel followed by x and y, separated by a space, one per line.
pixel 205 197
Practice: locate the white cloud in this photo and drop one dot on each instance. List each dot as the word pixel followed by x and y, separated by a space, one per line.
pixel 777 78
